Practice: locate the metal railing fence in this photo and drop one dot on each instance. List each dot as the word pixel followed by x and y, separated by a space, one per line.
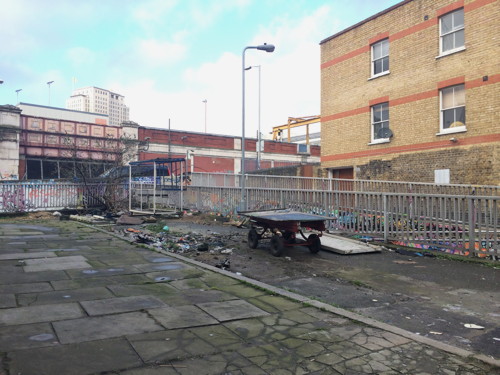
pixel 39 196
pixel 459 224
pixel 315 183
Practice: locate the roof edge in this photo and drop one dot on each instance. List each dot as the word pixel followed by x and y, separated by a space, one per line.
pixel 365 21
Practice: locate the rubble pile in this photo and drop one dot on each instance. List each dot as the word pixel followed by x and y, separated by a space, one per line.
pixel 183 243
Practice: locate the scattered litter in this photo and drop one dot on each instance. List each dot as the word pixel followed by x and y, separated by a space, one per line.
pixel 435 333
pixel 224 264
pixel 473 326
pixel 496 338
pixel 375 300
pixel 133 230
pixel 404 262
pixel 238 273
pixel 288 258
pixel 227 251
pixel 57 213
pixel 166 228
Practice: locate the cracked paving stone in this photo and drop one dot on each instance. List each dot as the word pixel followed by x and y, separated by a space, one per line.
pixel 223 363
pixel 169 345
pixel 218 336
pixel 231 310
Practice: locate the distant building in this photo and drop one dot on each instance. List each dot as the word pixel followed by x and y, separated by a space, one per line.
pixel 411 94
pixel 40 143
pixel 97 100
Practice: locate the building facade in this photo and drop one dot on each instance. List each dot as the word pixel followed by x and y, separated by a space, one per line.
pixel 40 143
pixel 97 100
pixel 411 94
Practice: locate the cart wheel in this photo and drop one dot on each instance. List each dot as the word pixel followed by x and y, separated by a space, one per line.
pixel 276 245
pixel 314 243
pixel 289 237
pixel 253 239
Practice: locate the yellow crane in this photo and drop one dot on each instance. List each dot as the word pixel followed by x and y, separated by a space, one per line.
pixel 294 122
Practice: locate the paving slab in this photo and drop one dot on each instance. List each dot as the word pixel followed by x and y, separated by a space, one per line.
pixel 103 327
pixel 77 359
pixel 40 313
pixel 27 336
pixel 63 296
pixel 182 317
pixel 7 300
pixel 99 281
pixel 103 272
pixel 55 264
pixel 26 288
pixel 44 254
pixel 163 346
pixel 231 310
pixel 345 246
pixel 32 277
pixel 121 304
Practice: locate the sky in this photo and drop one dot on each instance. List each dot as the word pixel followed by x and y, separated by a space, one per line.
pixel 168 56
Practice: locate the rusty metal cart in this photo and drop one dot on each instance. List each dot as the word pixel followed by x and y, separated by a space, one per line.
pixel 283 225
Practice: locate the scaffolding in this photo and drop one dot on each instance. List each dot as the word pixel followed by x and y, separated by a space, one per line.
pixel 156 186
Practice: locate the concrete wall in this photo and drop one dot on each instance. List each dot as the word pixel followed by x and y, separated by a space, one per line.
pixel 417 73
pixel 9 142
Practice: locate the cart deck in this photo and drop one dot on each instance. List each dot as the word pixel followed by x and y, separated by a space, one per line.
pixel 284 224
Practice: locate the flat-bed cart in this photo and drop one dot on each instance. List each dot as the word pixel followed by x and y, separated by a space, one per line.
pixel 284 225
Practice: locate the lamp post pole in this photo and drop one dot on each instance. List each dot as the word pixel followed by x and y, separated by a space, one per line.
pixel 262 47
pixel 258 133
pixel 48 84
pixel 205 101
pixel 17 94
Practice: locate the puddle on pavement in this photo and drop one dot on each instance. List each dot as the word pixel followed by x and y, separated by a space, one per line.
pixel 89 272
pixel 168 267
pixel 161 260
pixel 42 337
pixel 160 279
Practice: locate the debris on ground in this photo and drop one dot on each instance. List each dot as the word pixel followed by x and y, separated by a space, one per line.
pixel 129 220
pixel 473 326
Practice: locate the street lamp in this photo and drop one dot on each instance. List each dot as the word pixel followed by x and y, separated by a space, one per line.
pixel 17 94
pixel 263 47
pixel 205 101
pixel 258 133
pixel 48 84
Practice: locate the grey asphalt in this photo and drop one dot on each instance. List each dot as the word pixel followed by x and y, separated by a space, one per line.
pixel 96 304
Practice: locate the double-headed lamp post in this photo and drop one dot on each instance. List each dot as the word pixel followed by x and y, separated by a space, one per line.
pixel 48 84
pixel 263 47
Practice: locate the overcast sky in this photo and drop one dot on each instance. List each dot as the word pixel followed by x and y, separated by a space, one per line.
pixel 167 56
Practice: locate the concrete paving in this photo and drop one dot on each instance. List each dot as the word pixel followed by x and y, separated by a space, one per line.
pixel 133 311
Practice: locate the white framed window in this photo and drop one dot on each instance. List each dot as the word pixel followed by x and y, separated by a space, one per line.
pixel 380 58
pixel 451 32
pixel 380 123
pixel 452 102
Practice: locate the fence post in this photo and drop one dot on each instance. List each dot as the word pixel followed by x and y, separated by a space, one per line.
pixel 386 218
pixel 472 226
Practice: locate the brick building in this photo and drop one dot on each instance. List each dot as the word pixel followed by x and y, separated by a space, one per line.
pixel 39 142
pixel 412 94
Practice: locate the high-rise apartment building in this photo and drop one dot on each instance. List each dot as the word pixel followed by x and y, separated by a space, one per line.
pixel 97 100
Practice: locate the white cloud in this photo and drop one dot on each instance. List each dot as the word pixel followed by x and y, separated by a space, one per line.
pixel 290 83
pixel 80 56
pixel 152 52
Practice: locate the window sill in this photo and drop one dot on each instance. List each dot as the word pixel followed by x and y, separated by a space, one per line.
pixel 379 75
pixel 451 52
pixel 379 141
pixel 461 129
